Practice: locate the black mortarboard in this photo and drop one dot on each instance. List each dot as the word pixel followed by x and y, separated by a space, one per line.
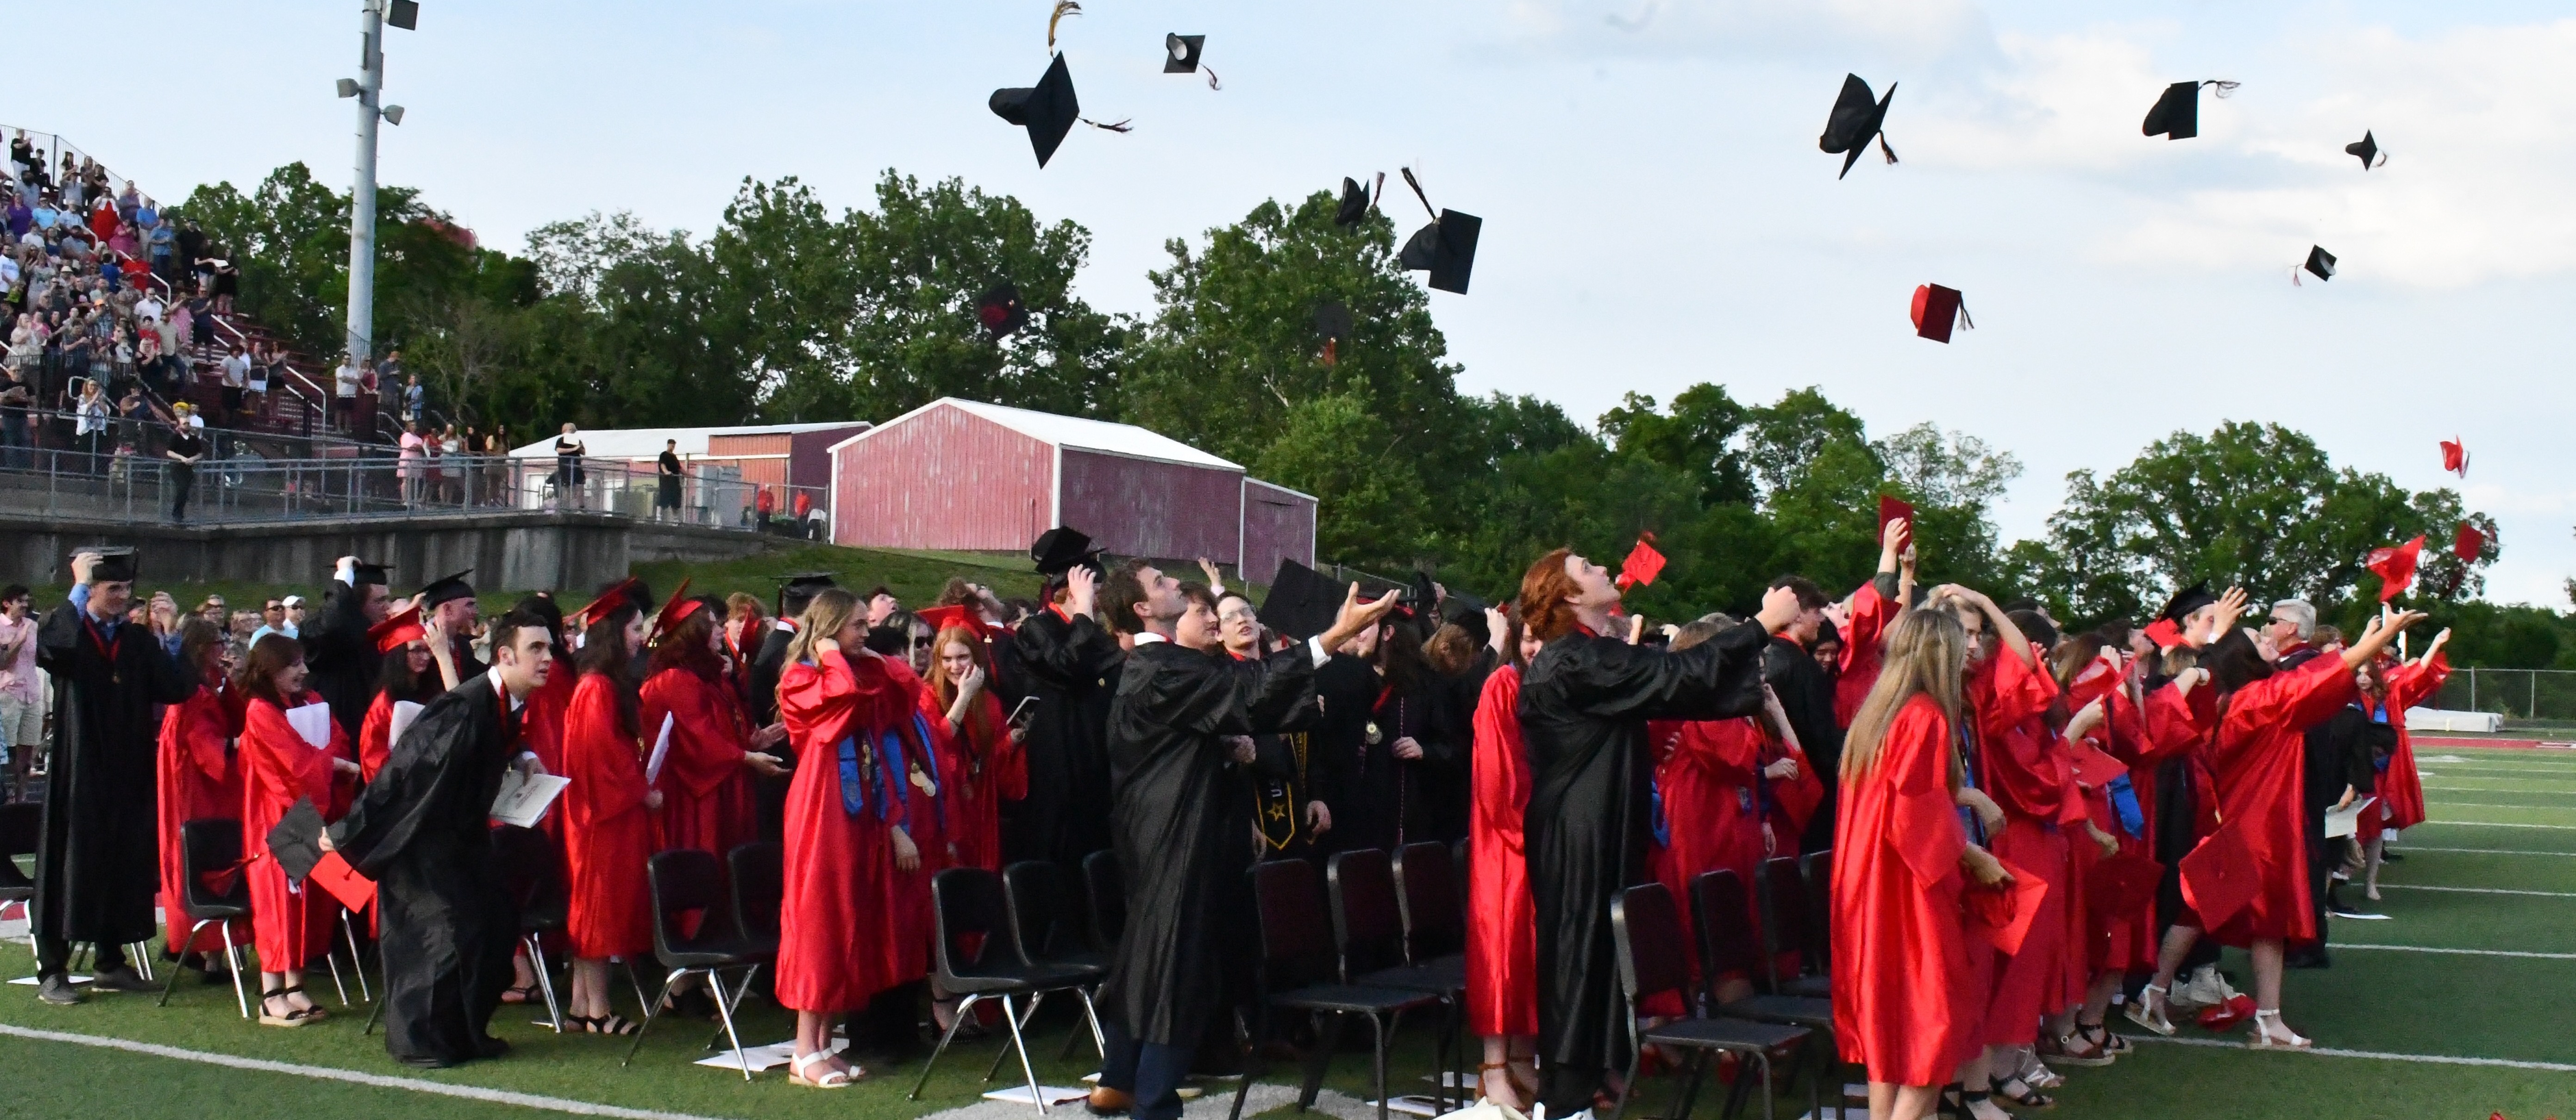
pixel 1355 202
pixel 1425 593
pixel 2185 601
pixel 2367 149
pixel 544 607
pixel 1062 549
pixel 448 589
pixel 404 14
pixel 2320 263
pixel 1467 612
pixel 1446 247
pixel 1937 310
pixel 115 565
pixel 1855 121
pixel 1333 321
pixel 296 842
pixel 1181 53
pixel 888 641
pixel 1000 310
pixel 1301 603
pixel 1047 109
pixel 800 588
pixel 2177 113
pixel 365 573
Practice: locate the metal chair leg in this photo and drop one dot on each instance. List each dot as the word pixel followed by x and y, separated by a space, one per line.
pixel 1035 998
pixel 1377 1063
pixel 1700 1060
pixel 1627 1085
pixel 652 1007
pixel 139 956
pixel 1769 1112
pixel 331 960
pixel 1328 1038
pixel 545 983
pixel 173 985
pixel 724 1010
pixel 1091 1016
pixel 357 963
pixel 1020 1046
pixel 964 1008
pixel 233 958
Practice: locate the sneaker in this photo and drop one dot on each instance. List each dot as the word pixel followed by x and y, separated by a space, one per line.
pixel 57 990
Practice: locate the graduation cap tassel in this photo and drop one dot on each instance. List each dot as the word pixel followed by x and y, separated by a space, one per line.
pixel 2224 88
pixel 1063 8
pixel 1416 184
pixel 1212 82
pixel 1121 127
pixel 1379 194
pixel 1965 323
pixel 1889 152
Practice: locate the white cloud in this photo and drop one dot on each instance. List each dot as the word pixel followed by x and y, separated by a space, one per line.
pixel 1766 28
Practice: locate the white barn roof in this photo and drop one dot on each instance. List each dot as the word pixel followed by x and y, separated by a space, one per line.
pixel 645 443
pixel 1074 432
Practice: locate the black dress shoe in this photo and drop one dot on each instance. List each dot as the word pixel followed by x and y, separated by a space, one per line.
pixel 2313 958
pixel 123 979
pixel 425 1061
pixel 57 989
pixel 490 1047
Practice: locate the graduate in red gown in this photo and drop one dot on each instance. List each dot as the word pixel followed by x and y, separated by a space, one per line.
pixel 290 922
pixel 845 835
pixel 1502 927
pixel 985 766
pixel 2401 792
pixel 2258 760
pixel 419 663
pixel 1865 618
pixel 1907 1000
pixel 608 818
pixel 199 779
pixel 705 780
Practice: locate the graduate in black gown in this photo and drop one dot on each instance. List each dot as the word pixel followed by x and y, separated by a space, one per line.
pixel 1807 697
pixel 1175 729
pixel 769 793
pixel 422 831
pixel 1583 710
pixel 450 601
pixel 1069 661
pixel 1410 757
pixel 340 659
pixel 98 864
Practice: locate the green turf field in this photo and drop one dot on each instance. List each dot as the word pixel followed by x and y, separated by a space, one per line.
pixel 2413 1035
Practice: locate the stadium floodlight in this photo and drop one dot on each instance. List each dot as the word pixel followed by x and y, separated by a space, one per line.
pixel 348 87
pixel 393 114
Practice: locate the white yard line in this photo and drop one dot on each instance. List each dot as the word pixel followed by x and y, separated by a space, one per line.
pixel 2493 805
pixel 2340 946
pixel 350 1076
pixel 2378 1055
pixel 2411 848
pixel 2477 890
pixel 2524 788
pixel 2500 824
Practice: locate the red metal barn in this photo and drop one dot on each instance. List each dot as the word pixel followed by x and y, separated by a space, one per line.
pixel 969 476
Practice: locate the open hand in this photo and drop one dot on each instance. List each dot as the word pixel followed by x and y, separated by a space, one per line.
pixel 1319 818
pixel 1985 868
pixel 907 855
pixel 765 765
pixel 1407 748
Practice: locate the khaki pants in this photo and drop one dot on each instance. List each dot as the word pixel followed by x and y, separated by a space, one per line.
pixel 22 727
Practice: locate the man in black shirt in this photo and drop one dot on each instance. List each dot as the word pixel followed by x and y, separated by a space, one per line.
pixel 666 495
pixel 186 449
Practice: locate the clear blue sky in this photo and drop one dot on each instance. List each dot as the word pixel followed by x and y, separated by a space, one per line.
pixel 1656 212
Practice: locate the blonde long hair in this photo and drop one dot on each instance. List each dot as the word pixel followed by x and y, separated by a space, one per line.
pixel 1927 654
pixel 824 617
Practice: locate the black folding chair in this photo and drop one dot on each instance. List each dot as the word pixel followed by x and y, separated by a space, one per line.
pixel 1654 959
pixel 1727 944
pixel 22 830
pixel 980 958
pixel 685 881
pixel 759 875
pixel 1104 901
pixel 1300 970
pixel 1782 899
pixel 1817 870
pixel 1042 921
pixel 211 847
pixel 1433 906
pixel 532 872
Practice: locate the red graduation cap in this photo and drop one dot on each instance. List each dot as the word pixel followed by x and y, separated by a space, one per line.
pixel 1891 508
pixel 1643 563
pixel 2003 917
pixel 941 618
pixel 2467 543
pixel 399 629
pixel 2122 885
pixel 579 620
pixel 2455 457
pixel 2164 633
pixel 2396 566
pixel 1937 309
pixel 2094 766
pixel 675 610
pixel 2098 679
pixel 333 874
pixel 2219 877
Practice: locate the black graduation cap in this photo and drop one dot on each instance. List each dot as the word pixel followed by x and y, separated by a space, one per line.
pixel 1446 247
pixel 447 589
pixel 1937 310
pixel 1425 594
pixel 1301 603
pixel 1047 109
pixel 2185 601
pixel 2367 149
pixel 1355 203
pixel 2320 263
pixel 1181 53
pixel 1855 121
pixel 1333 321
pixel 888 641
pixel 115 565
pixel 365 573
pixel 543 607
pixel 1001 311
pixel 1467 612
pixel 296 842
pixel 801 587
pixel 1062 549
pixel 404 14
pixel 2177 113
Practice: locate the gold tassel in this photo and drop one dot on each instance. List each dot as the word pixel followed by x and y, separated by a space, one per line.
pixel 1063 8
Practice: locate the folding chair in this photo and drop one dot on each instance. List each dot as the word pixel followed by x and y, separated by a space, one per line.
pixel 212 847
pixel 1654 959
pixel 1434 911
pixel 1042 922
pixel 1726 944
pixel 1300 970
pixel 22 830
pixel 682 881
pixel 980 958
pixel 1817 870
pixel 532 871
pixel 1782 899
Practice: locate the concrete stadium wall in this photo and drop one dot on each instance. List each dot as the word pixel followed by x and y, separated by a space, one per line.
pixel 516 551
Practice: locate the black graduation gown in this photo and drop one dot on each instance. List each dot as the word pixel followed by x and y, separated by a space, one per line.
pixel 1071 667
pixel 1584 708
pixel 2338 754
pixel 1807 698
pixel 98 864
pixel 341 661
pixel 1286 774
pixel 1178 824
pixel 421 830
pixel 1393 800
pixel 1344 689
pixel 769 795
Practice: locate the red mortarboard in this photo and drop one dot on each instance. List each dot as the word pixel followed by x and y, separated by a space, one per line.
pixel 1889 509
pixel 580 620
pixel 2098 679
pixel 334 875
pixel 2119 886
pixel 941 618
pixel 2219 877
pixel 2003 917
pixel 2396 566
pixel 675 610
pixel 1643 563
pixel 1937 309
pixel 2094 766
pixel 399 629
pixel 2467 543
pixel 2455 457
pixel 2164 633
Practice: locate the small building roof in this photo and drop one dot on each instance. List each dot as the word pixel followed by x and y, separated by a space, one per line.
pixel 1074 432
pixel 645 443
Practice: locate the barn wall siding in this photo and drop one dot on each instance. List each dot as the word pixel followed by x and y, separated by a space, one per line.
pixel 992 490
pixel 1137 507
pixel 1278 524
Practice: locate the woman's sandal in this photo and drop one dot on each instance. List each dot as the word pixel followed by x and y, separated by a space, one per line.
pixel 2099 1034
pixel 294 1017
pixel 1484 1069
pixel 313 1013
pixel 2036 1074
pixel 524 993
pixel 2019 1093
pixel 2149 1010
pixel 2263 1039
pixel 830 1078
pixel 2082 1048
pixel 611 1024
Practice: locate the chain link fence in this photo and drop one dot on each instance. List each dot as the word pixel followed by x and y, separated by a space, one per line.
pixel 2524 697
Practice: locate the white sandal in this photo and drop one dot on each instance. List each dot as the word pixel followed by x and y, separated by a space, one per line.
pixel 831 1078
pixel 2149 1010
pixel 2263 1039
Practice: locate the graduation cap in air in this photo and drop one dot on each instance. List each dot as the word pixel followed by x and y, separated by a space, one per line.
pixel 296 842
pixel 115 565
pixel 1000 310
pixel 1333 324
pixel 1062 549
pixel 676 611
pixel 1891 509
pixel 1181 56
pixel 2455 457
pixel 2367 149
pixel 2321 264
pixel 447 589
pixel 2468 542
pixel 1856 121
pixel 606 604
pixel 2185 601
pixel 1301 603
pixel 1356 201
pixel 399 629
pixel 2176 115
pixel 1643 564
pixel 1937 309
pixel 1446 247
pixel 800 588
pixel 1047 109
pixel 2395 566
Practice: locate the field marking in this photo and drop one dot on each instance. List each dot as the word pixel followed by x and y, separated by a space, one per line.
pixel 2521 785
pixel 2477 890
pixel 350 1076
pixel 2522 953
pixel 2486 851
pixel 2502 824
pixel 2378 1055
pixel 2493 805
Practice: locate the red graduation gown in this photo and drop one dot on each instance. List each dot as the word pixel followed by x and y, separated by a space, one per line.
pixel 376 736
pixel 1864 650
pixel 706 794
pixel 1502 926
pixel 832 923
pixel 2399 787
pixel 2259 763
pixel 1710 818
pixel 608 834
pixel 1906 1003
pixel 198 782
pixel 2022 765
pixel 2143 740
pixel 980 775
pixel 289 925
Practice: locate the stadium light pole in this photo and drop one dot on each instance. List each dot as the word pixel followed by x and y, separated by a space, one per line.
pixel 367 89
